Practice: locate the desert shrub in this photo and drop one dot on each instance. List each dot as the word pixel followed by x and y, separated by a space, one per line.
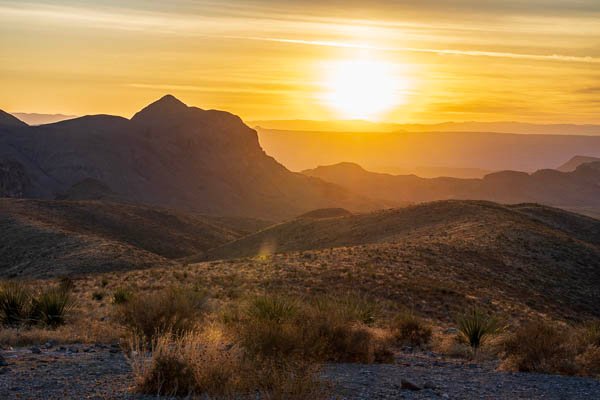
pixel 274 326
pixel 588 361
pixel 589 334
pixel 121 295
pixel 104 282
pixel 539 346
pixel 174 310
pixel 98 296
pixel 349 308
pixel 410 330
pixel 476 327
pixel 51 305
pixel 205 363
pixel 15 303
pixel 273 308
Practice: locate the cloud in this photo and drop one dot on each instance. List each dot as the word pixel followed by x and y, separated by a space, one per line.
pixel 472 53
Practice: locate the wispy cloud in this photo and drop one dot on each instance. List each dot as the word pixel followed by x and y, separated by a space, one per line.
pixel 473 53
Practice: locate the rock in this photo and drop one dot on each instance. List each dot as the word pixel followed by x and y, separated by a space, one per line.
pixel 49 344
pixel 4 370
pixel 451 331
pixel 35 350
pixel 113 350
pixel 405 384
pixel 3 362
pixel 429 385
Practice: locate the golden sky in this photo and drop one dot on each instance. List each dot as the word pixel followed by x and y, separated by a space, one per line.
pixel 423 60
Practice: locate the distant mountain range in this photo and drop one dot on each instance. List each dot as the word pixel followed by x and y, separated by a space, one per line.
pixel 575 162
pixel 577 189
pixel 168 155
pixel 469 126
pixel 41 119
pixel 427 154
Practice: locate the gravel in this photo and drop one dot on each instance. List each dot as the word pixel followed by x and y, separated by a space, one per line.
pixel 101 372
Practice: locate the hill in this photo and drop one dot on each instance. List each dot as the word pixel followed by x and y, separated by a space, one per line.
pixel 168 155
pixel 448 153
pixel 50 238
pixel 441 256
pixel 575 162
pixel 577 189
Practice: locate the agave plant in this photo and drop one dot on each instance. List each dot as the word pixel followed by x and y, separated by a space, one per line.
pixel 51 306
pixel 15 300
pixel 475 327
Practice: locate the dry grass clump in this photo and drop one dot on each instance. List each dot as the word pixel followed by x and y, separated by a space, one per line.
pixel 172 310
pixel 206 363
pixel 539 346
pixel 22 306
pixel 121 295
pixel 322 330
pixel 410 330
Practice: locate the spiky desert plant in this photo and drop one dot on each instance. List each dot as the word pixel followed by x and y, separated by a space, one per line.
pixel 15 300
pixel 475 327
pixel 51 306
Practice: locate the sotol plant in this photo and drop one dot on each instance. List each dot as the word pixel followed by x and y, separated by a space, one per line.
pixel 475 327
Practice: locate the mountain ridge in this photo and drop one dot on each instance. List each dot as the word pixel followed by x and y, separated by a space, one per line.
pixel 167 154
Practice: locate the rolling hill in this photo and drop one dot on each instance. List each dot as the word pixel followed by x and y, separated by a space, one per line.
pixel 50 238
pixel 168 155
pixel 439 256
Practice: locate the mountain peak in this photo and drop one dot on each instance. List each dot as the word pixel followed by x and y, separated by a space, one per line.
pixel 166 106
pixel 7 119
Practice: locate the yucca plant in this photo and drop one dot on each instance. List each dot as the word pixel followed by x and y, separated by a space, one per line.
pixel 475 327
pixel 50 307
pixel 15 300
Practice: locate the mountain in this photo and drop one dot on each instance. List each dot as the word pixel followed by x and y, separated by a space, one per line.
pixel 441 256
pixel 579 189
pixel 575 162
pixel 466 126
pixel 448 152
pixel 50 238
pixel 168 155
pixel 41 119
pixel 8 120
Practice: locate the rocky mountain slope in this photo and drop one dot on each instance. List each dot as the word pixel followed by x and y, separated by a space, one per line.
pixel 577 189
pixel 169 155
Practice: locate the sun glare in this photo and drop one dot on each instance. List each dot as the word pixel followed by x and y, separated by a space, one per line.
pixel 363 89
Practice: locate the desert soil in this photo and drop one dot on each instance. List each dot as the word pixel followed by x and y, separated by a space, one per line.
pixel 102 372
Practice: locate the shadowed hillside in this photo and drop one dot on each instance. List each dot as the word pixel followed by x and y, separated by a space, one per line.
pixel 42 238
pixel 169 155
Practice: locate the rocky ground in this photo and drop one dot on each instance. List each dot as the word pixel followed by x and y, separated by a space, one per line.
pixel 102 372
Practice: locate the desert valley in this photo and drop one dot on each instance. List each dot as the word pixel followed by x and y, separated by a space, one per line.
pixel 179 215
pixel 302 200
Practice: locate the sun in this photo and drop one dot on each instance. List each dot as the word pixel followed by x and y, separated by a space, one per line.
pixel 362 89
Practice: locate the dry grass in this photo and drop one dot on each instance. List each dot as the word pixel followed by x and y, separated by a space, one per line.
pixel 410 330
pixel 556 349
pixel 174 310
pixel 323 329
pixel 205 362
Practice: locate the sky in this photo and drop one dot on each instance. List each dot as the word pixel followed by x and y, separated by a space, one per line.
pixel 398 61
